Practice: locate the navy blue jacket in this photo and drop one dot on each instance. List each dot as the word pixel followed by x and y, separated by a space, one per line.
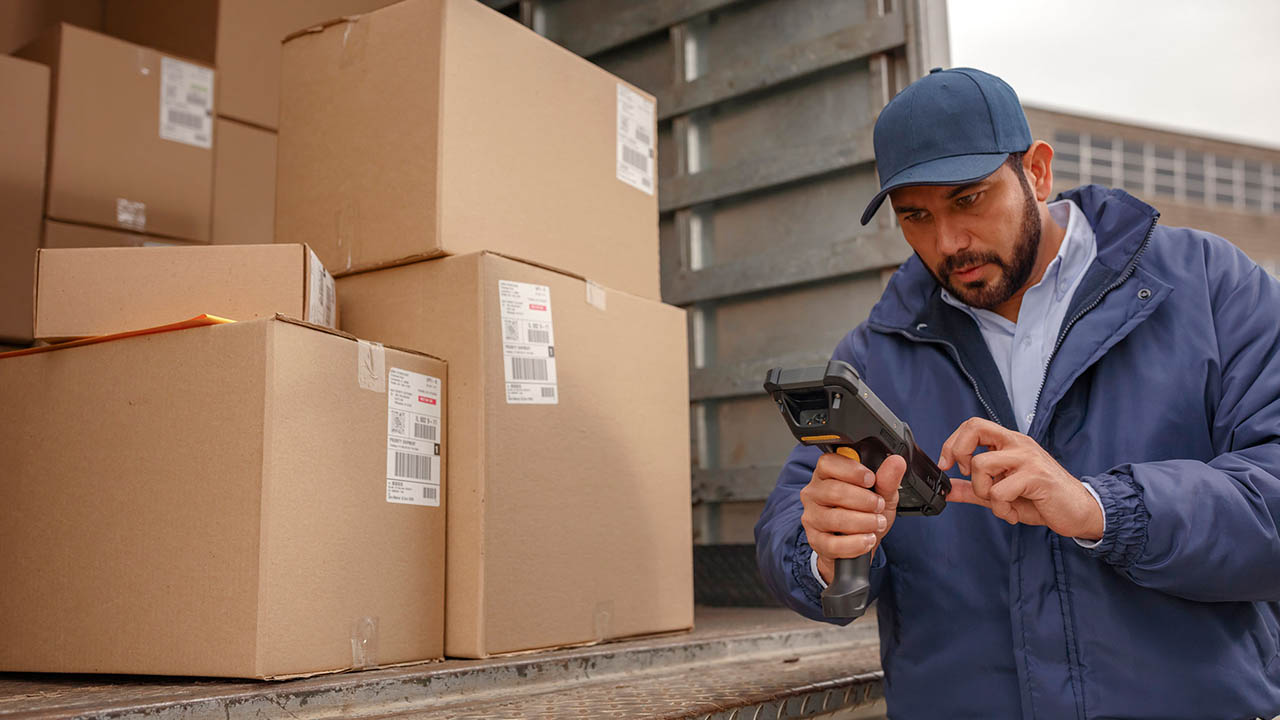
pixel 1164 394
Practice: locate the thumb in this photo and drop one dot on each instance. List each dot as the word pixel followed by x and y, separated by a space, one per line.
pixel 889 479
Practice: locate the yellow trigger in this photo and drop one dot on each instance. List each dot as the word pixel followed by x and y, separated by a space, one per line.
pixel 849 453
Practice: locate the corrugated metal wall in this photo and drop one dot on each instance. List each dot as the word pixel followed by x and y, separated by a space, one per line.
pixel 766 110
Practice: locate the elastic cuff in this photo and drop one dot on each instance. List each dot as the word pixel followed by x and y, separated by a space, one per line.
pixel 1126 519
pixel 802 571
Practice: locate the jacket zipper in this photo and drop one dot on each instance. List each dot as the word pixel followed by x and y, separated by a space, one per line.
pixel 955 355
pixel 1133 264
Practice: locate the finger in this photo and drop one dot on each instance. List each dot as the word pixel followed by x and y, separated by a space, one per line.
pixel 962 492
pixel 889 479
pixel 1012 487
pixel 837 494
pixel 844 469
pixel 1005 511
pixel 986 468
pixel 959 448
pixel 842 546
pixel 844 522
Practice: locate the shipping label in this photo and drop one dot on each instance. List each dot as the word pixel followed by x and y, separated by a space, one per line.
pixel 321 294
pixel 636 157
pixel 528 344
pixel 186 103
pixel 413 438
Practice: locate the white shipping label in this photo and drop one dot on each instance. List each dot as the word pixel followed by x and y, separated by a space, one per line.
pixel 413 438
pixel 131 214
pixel 322 297
pixel 186 103
pixel 528 344
pixel 636 116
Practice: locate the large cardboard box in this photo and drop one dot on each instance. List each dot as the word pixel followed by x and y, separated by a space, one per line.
pixel 24 118
pixel 240 37
pixel 443 127
pixel 214 502
pixel 244 184
pixel 99 291
pixel 73 235
pixel 22 21
pixel 131 139
pixel 569 515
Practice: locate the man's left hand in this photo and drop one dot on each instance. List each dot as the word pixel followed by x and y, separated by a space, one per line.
pixel 1018 481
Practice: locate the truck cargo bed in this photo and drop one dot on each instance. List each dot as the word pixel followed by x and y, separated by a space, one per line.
pixel 738 663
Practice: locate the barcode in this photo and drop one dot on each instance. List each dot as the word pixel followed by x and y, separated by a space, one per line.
pixel 415 467
pixel 196 99
pixel 528 369
pixel 424 432
pixel 429 493
pixel 397 423
pixel 635 158
pixel 191 120
pixel 642 136
pixel 548 392
pixel 539 336
pixel 511 330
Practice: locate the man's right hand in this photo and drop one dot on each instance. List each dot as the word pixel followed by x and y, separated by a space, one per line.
pixel 848 509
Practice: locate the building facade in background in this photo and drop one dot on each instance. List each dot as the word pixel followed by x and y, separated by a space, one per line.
pixel 1227 188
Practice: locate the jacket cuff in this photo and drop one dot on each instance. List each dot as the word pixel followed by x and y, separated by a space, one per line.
pixel 1126 519
pixel 801 569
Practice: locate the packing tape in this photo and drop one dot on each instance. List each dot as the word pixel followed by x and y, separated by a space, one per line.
pixel 597 297
pixel 364 643
pixel 354 39
pixel 371 366
pixel 604 620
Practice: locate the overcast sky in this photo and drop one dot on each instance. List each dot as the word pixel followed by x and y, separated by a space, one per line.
pixel 1206 66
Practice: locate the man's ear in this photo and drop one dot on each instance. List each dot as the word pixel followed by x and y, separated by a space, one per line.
pixel 1037 163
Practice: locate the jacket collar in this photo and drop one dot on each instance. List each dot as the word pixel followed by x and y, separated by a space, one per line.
pixel 1120 223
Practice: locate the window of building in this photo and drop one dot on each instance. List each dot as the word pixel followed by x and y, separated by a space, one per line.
pixel 1194 177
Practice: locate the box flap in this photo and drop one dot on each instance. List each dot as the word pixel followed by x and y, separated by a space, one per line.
pixel 197 321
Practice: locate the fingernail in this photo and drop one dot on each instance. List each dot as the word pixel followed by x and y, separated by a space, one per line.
pixel 879 504
pixel 871 541
pixel 881 523
pixel 869 478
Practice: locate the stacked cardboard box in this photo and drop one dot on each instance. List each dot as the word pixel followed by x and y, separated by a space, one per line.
pixel 488 195
pixel 241 38
pixel 24 120
pixel 233 500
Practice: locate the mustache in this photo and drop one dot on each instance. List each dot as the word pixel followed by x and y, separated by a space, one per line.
pixel 967 260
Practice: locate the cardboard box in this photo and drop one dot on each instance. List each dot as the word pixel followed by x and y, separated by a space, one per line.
pixel 131 135
pixel 244 184
pixel 443 127
pixel 222 512
pixel 22 21
pixel 239 37
pixel 100 291
pixel 73 235
pixel 24 117
pixel 569 515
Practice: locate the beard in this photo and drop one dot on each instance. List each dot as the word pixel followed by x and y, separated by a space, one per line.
pixel 1013 272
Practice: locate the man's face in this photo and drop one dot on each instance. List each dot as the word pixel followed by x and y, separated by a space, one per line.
pixel 979 240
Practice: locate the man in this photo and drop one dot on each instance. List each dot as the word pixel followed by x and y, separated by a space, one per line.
pixel 1111 389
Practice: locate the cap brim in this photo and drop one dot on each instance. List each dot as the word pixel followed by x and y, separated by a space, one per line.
pixel 956 170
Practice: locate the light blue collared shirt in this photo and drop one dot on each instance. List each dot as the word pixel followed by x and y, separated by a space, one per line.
pixel 1022 350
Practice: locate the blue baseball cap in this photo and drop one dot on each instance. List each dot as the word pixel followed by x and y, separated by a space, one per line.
pixel 950 127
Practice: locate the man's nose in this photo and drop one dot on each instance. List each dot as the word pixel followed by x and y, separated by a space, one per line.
pixel 952 237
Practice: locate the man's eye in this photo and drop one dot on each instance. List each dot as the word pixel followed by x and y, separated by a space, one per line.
pixel 967 200
pixel 913 217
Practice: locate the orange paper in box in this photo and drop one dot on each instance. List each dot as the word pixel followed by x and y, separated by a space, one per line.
pixel 197 321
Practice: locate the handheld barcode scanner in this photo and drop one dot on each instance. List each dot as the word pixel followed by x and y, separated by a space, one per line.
pixel 832 408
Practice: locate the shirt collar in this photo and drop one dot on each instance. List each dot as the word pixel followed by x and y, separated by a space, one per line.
pixel 1064 269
